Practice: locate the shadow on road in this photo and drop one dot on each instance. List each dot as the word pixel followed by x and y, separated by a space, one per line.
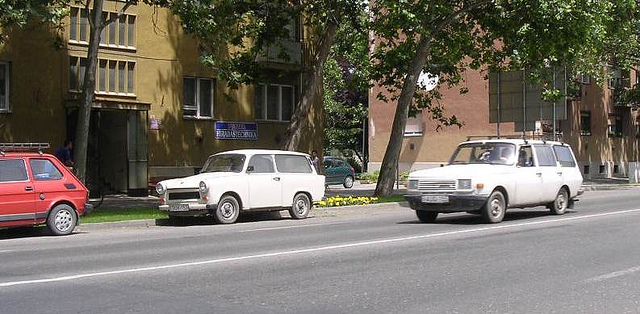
pixel 208 220
pixel 471 219
pixel 23 232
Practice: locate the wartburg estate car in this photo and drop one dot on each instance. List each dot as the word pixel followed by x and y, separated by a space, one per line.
pixel 488 176
pixel 245 180
pixel 36 188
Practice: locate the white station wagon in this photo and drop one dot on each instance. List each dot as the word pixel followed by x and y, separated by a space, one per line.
pixel 245 180
pixel 488 176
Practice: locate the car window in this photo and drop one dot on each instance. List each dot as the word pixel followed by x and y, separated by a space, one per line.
pixel 261 164
pixel 224 163
pixel 564 156
pixel 525 157
pixel 293 164
pixel 44 170
pixel 490 152
pixel 327 163
pixel 545 156
pixel 13 170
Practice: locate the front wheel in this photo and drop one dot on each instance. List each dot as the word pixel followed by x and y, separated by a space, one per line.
pixel 301 206
pixel 228 210
pixel 426 216
pixel 495 208
pixel 348 182
pixel 62 220
pixel 560 204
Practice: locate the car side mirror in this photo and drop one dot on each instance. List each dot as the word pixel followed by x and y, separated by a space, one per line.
pixel 250 169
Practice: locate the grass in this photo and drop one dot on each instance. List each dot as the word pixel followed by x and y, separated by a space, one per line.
pixel 122 214
pixel 139 213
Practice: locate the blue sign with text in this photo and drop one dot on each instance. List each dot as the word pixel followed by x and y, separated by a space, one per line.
pixel 236 131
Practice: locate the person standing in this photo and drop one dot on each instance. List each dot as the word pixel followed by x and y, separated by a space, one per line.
pixel 315 160
pixel 64 153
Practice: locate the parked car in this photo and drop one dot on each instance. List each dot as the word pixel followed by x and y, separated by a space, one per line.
pixel 245 180
pixel 488 176
pixel 338 171
pixel 36 188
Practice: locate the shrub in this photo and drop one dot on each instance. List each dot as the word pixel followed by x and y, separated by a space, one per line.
pixel 346 201
pixel 371 177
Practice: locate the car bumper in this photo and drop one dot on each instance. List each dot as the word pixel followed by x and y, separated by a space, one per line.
pixel 193 209
pixel 455 203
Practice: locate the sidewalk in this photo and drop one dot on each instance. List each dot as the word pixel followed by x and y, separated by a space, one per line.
pixel 122 201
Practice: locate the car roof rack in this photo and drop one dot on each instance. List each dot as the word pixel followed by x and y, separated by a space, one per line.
pixel 23 147
pixel 527 137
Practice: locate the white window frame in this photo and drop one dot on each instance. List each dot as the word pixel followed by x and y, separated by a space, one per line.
pixel 7 77
pixel 111 34
pixel 198 114
pixel 265 104
pixel 107 79
pixel 414 126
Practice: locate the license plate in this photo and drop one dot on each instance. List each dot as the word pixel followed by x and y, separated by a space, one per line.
pixel 437 199
pixel 178 207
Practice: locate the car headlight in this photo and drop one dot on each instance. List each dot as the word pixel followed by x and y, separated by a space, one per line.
pixel 464 184
pixel 202 188
pixel 160 189
pixel 413 185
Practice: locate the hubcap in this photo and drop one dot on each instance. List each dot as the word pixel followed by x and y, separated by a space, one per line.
pixel 63 220
pixel 301 206
pixel 227 210
pixel 496 207
pixel 348 181
pixel 560 203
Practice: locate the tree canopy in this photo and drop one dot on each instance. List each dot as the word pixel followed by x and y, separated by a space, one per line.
pixel 16 13
pixel 445 38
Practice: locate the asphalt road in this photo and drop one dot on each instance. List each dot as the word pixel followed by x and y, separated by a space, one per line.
pixel 378 260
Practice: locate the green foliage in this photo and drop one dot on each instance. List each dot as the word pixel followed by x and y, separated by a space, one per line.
pixel 17 13
pixel 368 176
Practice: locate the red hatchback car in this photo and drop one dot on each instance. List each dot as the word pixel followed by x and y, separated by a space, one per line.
pixel 36 188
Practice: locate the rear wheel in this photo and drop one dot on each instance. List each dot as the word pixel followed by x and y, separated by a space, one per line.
pixel 495 208
pixel 62 220
pixel 426 216
pixel 348 182
pixel 300 207
pixel 228 210
pixel 560 204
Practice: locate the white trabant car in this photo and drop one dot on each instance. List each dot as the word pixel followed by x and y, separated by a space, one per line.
pixel 488 176
pixel 245 180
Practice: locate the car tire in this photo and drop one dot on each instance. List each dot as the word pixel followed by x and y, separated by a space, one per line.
pixel 62 220
pixel 300 207
pixel 426 216
pixel 561 203
pixel 495 208
pixel 227 210
pixel 348 182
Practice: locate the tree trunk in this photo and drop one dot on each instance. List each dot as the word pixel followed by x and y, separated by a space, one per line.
pixel 388 174
pixel 301 118
pixel 88 88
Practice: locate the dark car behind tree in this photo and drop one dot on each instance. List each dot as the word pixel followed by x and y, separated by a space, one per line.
pixel 338 171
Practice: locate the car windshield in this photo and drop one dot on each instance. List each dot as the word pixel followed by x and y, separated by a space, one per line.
pixel 224 163
pixel 484 153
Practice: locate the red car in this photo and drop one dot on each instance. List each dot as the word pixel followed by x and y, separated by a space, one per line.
pixel 36 188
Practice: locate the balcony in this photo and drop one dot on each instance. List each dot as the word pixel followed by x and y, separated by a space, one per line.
pixel 283 51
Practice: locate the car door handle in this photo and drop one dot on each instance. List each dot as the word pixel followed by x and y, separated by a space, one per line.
pixel 28 188
pixel 276 179
pixel 539 174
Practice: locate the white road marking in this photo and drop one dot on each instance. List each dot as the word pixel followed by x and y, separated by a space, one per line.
pixel 614 274
pixel 311 250
pixel 6 251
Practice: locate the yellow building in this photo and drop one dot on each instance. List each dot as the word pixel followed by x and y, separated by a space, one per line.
pixel 158 112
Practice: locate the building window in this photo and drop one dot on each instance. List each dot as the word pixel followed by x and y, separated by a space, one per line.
pixel 614 127
pixel 119 33
pixel 274 102
pixel 4 86
pixel 414 126
pixel 601 170
pixel 585 123
pixel 585 169
pixel 618 78
pixel 198 97
pixel 616 169
pixel 113 76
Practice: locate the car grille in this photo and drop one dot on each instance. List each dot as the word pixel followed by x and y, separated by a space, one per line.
pixel 437 185
pixel 183 195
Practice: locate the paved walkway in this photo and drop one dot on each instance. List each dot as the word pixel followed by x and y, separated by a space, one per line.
pixel 358 189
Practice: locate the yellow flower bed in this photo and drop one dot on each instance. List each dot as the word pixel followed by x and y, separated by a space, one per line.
pixel 346 201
